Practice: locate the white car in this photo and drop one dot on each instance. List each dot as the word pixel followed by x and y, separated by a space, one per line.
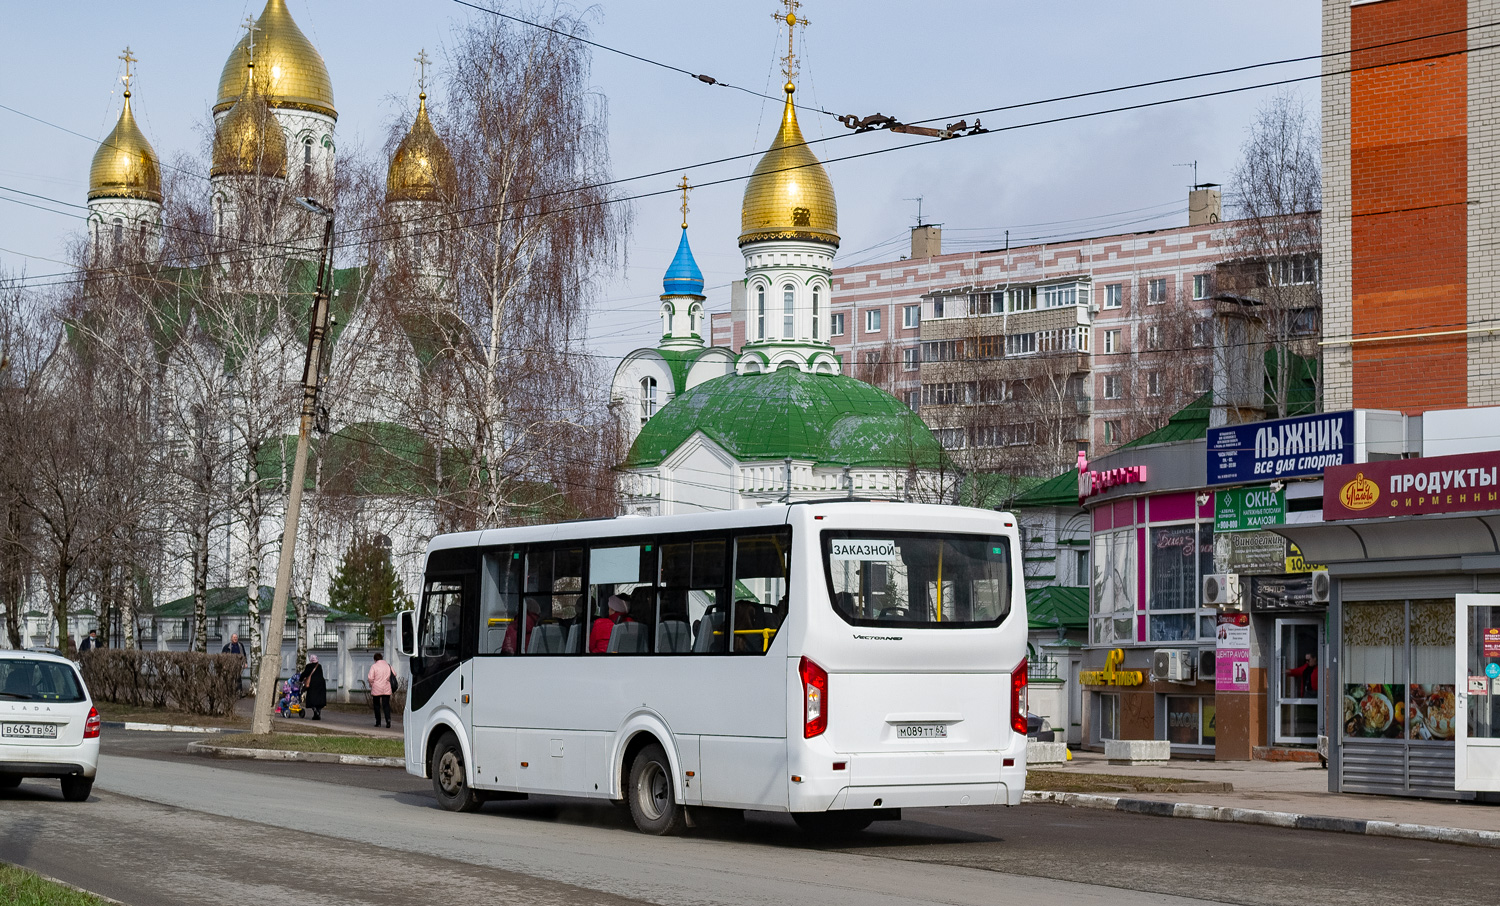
pixel 49 726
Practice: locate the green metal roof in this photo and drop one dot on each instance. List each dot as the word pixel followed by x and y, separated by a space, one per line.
pixel 827 418
pixel 1189 423
pixel 679 361
pixel 227 601
pixel 1060 490
pixel 1054 606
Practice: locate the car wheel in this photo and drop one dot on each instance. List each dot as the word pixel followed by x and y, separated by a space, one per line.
pixel 9 782
pixel 652 805
pixel 76 788
pixel 450 779
pixel 832 823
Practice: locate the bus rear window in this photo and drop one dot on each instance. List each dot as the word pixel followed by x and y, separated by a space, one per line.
pixel 918 579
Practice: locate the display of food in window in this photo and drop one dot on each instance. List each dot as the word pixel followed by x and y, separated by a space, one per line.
pixel 1433 709
pixel 1375 710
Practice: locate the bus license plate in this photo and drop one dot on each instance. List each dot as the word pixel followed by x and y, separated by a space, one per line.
pixel 922 731
pixel 29 731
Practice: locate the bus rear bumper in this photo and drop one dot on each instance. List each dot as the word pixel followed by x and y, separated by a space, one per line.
pixel 927 795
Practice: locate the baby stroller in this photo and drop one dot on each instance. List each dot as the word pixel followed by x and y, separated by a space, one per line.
pixel 290 702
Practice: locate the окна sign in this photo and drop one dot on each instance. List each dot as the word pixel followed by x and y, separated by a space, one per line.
pixel 1248 509
pixel 1468 482
pixel 1305 445
pixel 1111 675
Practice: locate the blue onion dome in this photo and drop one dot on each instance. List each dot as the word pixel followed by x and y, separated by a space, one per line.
pixel 683 277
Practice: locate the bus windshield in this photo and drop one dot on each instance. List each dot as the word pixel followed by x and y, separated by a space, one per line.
pixel 918 579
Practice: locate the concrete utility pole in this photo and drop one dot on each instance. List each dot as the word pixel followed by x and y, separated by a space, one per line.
pixel 270 660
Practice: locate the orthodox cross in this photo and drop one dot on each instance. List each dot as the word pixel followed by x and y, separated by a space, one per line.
pixel 129 58
pixel 684 187
pixel 422 61
pixel 251 28
pixel 790 17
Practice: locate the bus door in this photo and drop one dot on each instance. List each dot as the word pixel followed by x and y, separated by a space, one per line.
pixel 441 673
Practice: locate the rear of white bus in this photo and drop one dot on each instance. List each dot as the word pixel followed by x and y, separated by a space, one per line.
pixel 907 677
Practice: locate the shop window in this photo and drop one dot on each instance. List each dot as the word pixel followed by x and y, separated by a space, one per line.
pixel 1112 617
pixel 1109 715
pixel 1398 670
pixel 1180 555
pixel 1190 720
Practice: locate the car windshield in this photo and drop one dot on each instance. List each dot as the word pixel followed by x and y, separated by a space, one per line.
pixel 918 579
pixel 38 681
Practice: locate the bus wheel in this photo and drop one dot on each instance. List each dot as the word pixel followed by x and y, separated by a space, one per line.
pixel 652 806
pixel 450 782
pixel 842 822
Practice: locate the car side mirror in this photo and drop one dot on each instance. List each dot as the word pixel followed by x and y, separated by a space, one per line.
pixel 407 633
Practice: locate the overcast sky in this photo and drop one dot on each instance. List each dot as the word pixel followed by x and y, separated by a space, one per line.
pixel 911 60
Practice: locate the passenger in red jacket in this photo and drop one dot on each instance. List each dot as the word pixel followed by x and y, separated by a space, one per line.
pixel 619 612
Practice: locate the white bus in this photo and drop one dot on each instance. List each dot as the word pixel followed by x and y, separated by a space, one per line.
pixel 838 661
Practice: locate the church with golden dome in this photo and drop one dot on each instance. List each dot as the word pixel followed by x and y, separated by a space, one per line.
pixel 711 429
pixel 234 263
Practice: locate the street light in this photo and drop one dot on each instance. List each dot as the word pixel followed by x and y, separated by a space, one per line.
pixel 270 661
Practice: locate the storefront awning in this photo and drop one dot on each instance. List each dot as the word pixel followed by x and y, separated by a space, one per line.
pixel 1403 538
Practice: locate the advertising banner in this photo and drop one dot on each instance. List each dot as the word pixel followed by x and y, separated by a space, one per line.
pixel 1248 509
pixel 1283 448
pixel 1232 654
pixel 1281 593
pixel 1249 552
pixel 1468 482
pixel 1295 563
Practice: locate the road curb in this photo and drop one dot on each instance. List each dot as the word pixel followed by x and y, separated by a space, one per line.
pixel 162 728
pixel 1458 835
pixel 369 761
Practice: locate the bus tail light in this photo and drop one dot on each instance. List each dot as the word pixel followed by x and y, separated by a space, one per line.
pixel 91 726
pixel 814 698
pixel 1018 698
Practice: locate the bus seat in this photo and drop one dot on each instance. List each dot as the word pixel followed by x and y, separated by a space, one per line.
pixel 574 631
pixel 546 639
pixel 627 638
pixel 494 640
pixel 673 636
pixel 712 622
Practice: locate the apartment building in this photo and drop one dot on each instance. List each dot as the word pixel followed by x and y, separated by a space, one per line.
pixel 1028 354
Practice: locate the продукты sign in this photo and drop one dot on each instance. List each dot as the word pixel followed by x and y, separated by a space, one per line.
pixel 1467 482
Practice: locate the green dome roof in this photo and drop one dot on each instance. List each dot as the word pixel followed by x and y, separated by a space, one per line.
pixel 827 418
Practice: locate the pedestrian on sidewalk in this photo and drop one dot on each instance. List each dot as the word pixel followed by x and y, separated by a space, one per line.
pixel 382 681
pixel 90 643
pixel 314 687
pixel 235 648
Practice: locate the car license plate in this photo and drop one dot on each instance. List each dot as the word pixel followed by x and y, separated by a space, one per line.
pixel 29 731
pixel 921 731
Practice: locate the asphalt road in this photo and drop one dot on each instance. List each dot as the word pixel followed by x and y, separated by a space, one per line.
pixel 166 828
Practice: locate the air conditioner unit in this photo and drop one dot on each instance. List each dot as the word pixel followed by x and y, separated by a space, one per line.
pixel 1175 665
pixel 1222 590
pixel 1208 663
pixel 1320 586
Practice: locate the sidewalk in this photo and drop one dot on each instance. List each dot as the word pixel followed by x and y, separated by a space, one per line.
pixel 360 722
pixel 1289 789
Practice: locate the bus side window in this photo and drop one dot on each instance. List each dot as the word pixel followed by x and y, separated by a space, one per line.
pixel 692 580
pixel 623 573
pixel 760 591
pixel 442 611
pixel 499 601
pixel 566 607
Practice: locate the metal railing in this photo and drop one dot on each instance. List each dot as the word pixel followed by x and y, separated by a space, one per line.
pixel 1044 668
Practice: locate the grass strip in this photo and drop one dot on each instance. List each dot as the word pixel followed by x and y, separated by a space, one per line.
pixel 20 887
pixel 298 742
pixel 1070 782
pixel 113 711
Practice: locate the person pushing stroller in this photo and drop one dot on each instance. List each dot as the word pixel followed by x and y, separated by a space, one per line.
pixel 290 703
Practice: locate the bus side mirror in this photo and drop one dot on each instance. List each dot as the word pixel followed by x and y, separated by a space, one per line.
pixel 407 621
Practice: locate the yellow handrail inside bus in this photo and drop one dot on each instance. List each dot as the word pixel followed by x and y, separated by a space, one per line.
pixel 940 583
pixel 765 636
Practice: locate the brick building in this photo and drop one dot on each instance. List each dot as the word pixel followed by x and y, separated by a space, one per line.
pixel 1036 351
pixel 1411 155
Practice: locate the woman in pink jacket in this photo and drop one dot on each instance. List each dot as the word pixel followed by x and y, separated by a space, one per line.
pixel 379 677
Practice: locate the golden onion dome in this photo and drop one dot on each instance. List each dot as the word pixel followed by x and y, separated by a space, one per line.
pixel 125 166
pixel 789 195
pixel 249 141
pixel 294 74
pixel 422 169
